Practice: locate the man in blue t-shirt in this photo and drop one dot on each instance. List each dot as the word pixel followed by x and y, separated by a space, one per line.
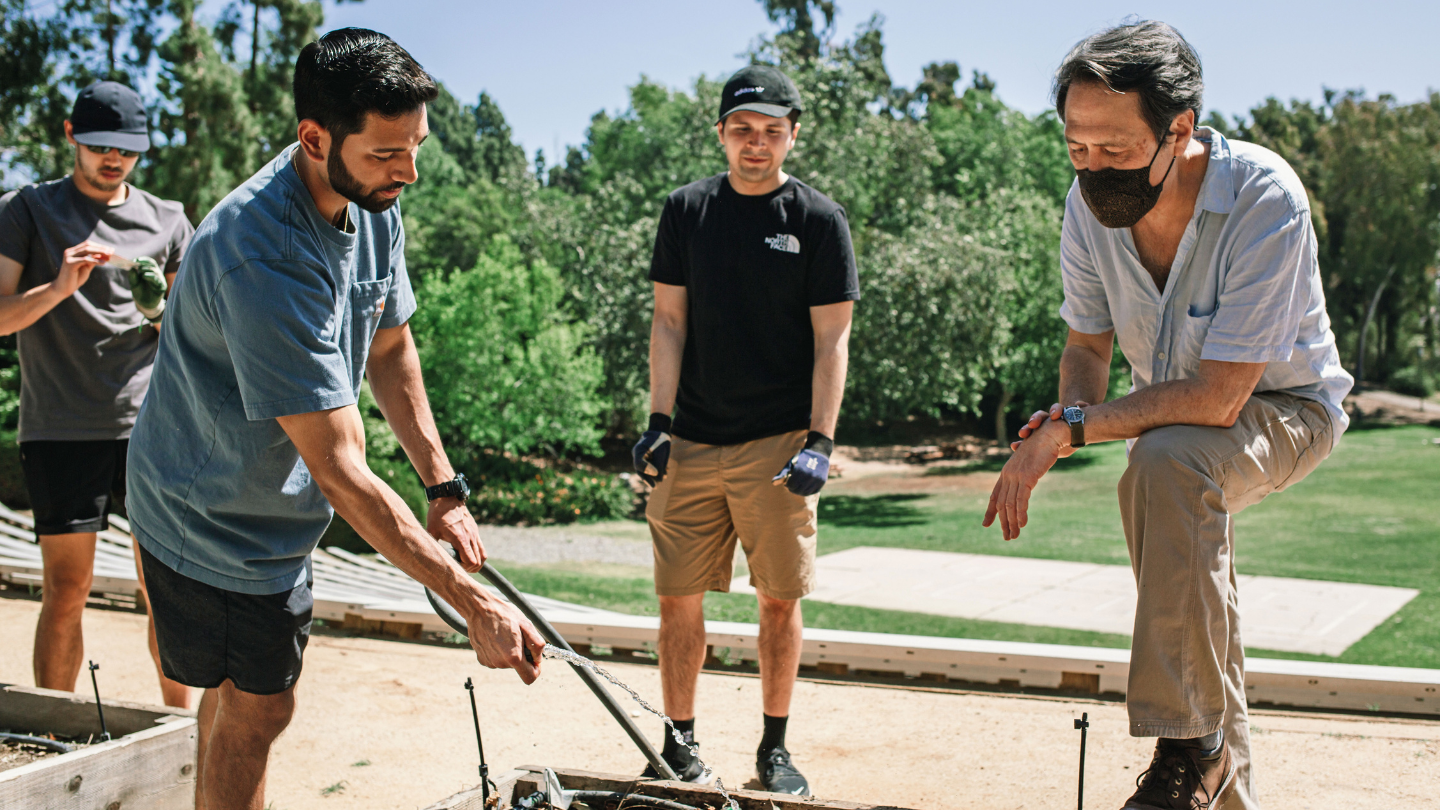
pixel 293 288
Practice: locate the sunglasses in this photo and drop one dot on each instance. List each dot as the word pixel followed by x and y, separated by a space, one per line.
pixel 105 150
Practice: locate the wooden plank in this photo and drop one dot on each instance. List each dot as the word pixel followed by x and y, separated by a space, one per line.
pixel 473 799
pixel 68 714
pixel 683 792
pixel 152 769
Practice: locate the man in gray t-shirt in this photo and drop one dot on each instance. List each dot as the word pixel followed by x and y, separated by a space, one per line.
pixel 86 350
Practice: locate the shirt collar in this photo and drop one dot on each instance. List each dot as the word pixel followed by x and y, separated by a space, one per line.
pixel 1217 191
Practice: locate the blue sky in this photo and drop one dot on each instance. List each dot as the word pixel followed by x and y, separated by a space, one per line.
pixel 551 64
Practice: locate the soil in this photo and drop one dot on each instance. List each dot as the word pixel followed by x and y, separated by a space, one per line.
pixel 1390 408
pixel 13 755
pixel 391 721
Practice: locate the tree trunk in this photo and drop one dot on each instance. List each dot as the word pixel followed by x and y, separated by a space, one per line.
pixel 1001 435
pixel 1365 327
pixel 110 37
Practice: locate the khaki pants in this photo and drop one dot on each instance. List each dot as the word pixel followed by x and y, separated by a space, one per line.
pixel 1178 499
pixel 714 495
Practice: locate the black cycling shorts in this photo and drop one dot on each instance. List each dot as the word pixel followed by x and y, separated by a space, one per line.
pixel 74 485
pixel 208 635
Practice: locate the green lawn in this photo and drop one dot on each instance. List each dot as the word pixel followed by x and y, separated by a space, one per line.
pixel 1370 514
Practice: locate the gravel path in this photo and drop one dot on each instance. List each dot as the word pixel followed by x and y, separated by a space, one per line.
pixel 547 545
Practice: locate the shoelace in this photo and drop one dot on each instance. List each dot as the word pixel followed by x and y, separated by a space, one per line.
pixel 1173 761
pixel 779 758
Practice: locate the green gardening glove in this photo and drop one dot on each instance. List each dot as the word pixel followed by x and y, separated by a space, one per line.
pixel 147 286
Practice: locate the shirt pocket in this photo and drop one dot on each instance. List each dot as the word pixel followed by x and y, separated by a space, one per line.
pixel 1191 341
pixel 367 306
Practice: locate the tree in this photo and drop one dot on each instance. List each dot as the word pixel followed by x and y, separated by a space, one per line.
pixel 797 19
pixel 505 367
pixel 1372 169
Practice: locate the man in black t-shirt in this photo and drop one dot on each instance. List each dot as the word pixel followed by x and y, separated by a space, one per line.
pixel 755 282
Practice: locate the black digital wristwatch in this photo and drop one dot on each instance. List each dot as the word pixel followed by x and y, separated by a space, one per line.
pixel 454 488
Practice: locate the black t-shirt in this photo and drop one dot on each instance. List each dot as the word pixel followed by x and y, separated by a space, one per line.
pixel 753 266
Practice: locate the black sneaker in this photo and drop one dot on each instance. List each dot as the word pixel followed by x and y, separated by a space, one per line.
pixel 1180 778
pixel 777 775
pixel 685 766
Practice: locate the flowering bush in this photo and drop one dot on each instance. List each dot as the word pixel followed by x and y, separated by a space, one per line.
pixel 551 496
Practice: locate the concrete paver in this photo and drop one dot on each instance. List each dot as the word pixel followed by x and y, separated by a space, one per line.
pixel 1293 615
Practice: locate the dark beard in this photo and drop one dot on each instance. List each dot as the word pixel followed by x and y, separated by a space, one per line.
pixel 348 187
pixel 94 178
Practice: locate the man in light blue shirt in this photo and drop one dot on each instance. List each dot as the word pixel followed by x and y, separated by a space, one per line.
pixel 1198 255
pixel 294 287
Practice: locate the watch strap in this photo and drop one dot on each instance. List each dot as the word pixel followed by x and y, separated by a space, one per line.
pixel 1075 417
pixel 454 488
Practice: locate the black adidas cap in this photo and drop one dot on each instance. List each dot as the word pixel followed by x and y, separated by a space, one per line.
pixel 762 89
pixel 110 114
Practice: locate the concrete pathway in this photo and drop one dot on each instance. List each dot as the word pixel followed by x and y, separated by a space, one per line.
pixel 1294 615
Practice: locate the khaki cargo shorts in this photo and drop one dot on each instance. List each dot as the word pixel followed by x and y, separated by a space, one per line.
pixel 713 495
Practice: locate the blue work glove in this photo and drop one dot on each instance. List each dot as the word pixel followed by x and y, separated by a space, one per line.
pixel 652 452
pixel 807 471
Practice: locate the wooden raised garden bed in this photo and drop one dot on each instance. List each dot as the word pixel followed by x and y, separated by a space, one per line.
pixel 514 786
pixel 149 763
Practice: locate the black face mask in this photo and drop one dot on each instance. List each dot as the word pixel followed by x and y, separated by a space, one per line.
pixel 1119 198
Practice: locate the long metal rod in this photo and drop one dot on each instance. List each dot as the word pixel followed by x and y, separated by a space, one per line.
pixel 1084 725
pixel 104 732
pixel 553 636
pixel 480 744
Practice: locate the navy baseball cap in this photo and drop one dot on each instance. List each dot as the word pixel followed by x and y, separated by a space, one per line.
pixel 110 114
pixel 762 89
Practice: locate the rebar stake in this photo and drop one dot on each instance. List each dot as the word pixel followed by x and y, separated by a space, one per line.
pixel 485 783
pixel 1083 724
pixel 104 733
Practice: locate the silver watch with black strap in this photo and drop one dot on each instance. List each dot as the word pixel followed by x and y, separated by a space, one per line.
pixel 1075 417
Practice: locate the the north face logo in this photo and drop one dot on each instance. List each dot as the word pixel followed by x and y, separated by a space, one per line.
pixel 783 241
pixel 742 91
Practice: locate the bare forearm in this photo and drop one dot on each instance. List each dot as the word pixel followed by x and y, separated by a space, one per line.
pixel 828 388
pixel 1084 375
pixel 399 389
pixel 20 311
pixel 380 516
pixel 1176 402
pixel 667 348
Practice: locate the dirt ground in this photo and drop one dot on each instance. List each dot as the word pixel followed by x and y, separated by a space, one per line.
pixel 401 710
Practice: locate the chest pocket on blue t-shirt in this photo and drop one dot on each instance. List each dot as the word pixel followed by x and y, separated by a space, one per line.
pixel 367 306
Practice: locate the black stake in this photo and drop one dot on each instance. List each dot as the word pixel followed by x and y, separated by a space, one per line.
pixel 104 733
pixel 1083 723
pixel 485 783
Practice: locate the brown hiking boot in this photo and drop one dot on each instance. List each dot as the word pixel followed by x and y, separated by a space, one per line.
pixel 1179 779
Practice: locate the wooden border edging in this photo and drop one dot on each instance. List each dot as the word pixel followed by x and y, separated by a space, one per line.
pixel 151 766
pixel 1012 664
pixel 684 792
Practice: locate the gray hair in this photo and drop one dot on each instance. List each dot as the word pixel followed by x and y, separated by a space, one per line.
pixel 1147 57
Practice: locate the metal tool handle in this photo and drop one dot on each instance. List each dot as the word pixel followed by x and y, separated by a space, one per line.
pixel 457 622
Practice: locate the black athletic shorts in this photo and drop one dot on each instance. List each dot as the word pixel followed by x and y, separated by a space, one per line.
pixel 208 635
pixel 73 485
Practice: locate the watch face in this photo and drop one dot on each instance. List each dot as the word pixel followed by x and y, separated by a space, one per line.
pixel 1073 414
pixel 462 486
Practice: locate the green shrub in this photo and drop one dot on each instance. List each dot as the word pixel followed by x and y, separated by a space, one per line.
pixel 504 365
pixel 1412 381
pixel 551 496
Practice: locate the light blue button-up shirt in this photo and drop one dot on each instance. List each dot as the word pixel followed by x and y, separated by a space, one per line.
pixel 1244 286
